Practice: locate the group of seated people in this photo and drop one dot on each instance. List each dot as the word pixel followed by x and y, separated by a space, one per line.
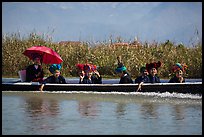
pixel 149 73
pixel 88 73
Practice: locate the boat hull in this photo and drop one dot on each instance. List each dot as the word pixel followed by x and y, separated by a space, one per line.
pixel 193 88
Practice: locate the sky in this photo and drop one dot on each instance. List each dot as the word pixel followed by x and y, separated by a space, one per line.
pixel 179 22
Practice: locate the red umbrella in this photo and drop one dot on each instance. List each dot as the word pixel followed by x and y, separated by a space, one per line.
pixel 49 56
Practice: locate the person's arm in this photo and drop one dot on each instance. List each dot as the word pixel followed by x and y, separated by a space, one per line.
pixel 139 86
pixel 44 83
pixel 184 80
pixel 41 87
pixel 181 79
pixel 81 79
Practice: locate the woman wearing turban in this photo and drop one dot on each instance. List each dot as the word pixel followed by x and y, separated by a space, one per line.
pixel 143 77
pixel 178 71
pixel 88 74
pixel 152 69
pixel 125 78
pixel 56 77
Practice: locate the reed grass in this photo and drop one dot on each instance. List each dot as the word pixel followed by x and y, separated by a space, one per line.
pixel 103 55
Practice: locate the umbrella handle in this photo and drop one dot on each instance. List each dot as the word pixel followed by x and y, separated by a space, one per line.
pixel 41 60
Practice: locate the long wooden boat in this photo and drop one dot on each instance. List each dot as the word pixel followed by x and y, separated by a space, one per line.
pixel 190 87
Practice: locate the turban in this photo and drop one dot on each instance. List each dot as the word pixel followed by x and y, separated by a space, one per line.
pixel 120 69
pixel 86 67
pixel 142 69
pixel 54 67
pixel 179 66
pixel 153 65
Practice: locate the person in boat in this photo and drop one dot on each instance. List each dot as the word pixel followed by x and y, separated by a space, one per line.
pixel 56 77
pixel 85 78
pixel 121 70
pixel 34 72
pixel 125 77
pixel 96 77
pixel 90 75
pixel 143 77
pixel 152 69
pixel 178 71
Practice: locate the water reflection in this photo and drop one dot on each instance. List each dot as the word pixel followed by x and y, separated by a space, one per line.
pixel 38 106
pixel 30 113
pixel 41 112
pixel 178 112
pixel 88 108
pixel 120 109
pixel 148 110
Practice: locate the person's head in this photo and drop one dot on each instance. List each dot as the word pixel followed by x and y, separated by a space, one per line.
pixel 121 70
pixel 55 69
pixel 153 71
pixel 89 74
pixel 179 73
pixel 36 59
pixel 56 73
pixel 86 68
pixel 179 69
pixel 152 68
pixel 143 71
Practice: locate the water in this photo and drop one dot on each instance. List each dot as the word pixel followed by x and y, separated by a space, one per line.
pixel 93 113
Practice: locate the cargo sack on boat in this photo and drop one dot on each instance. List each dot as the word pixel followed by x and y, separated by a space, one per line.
pixel 22 75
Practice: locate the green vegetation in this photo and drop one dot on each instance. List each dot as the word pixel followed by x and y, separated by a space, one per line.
pixel 103 55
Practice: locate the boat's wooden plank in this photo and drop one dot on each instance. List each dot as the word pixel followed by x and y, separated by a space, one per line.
pixel 193 87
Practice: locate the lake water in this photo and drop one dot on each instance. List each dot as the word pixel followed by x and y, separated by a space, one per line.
pixel 74 113
pixel 94 113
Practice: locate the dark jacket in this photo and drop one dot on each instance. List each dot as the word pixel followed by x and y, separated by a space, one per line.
pixel 175 80
pixel 85 80
pixel 154 79
pixel 52 79
pixel 140 79
pixel 31 73
pixel 125 79
pixel 94 80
